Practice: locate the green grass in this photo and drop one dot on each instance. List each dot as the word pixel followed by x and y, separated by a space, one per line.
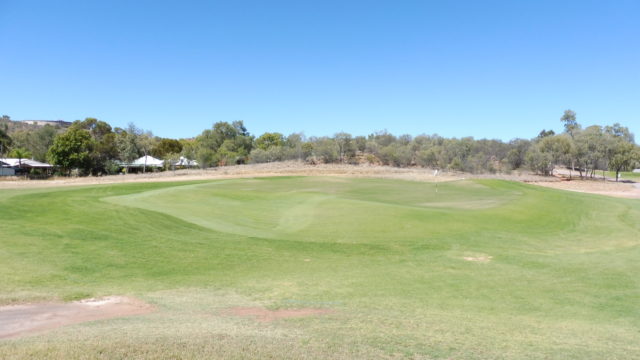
pixel 625 175
pixel 386 255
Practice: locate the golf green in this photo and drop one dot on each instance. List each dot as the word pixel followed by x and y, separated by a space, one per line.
pixel 467 269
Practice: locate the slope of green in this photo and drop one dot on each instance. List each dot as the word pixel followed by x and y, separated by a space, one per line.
pixel 474 269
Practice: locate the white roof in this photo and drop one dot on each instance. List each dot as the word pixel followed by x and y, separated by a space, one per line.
pixel 185 162
pixel 25 163
pixel 148 161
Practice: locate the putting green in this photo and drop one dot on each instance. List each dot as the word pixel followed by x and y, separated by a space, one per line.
pixel 472 269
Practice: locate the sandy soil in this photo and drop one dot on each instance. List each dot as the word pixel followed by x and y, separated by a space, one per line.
pixel 264 315
pixel 600 187
pixel 23 320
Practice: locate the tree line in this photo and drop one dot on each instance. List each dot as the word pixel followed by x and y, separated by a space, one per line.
pixel 93 147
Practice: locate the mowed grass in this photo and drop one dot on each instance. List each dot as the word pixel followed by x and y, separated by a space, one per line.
pixel 625 175
pixel 559 277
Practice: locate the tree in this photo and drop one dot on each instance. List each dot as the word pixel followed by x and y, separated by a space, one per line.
pixel 165 147
pixel 623 155
pixel 20 153
pixel 539 161
pixel 544 133
pixel 72 150
pixel 618 130
pixel 516 157
pixel 189 148
pixel 547 152
pixel 230 143
pixel 170 159
pixel 269 139
pixel 571 127
pixel 205 157
pixel 127 143
pixel 5 140
pixel 591 149
pixel 430 157
pixel 104 148
pixel 570 123
pixel 326 149
pixel 345 145
pixel 396 154
pixel 300 149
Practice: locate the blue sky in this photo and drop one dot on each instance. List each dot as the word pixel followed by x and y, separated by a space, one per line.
pixel 494 69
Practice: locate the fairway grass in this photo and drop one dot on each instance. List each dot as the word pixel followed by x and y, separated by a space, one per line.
pixel 625 175
pixel 470 269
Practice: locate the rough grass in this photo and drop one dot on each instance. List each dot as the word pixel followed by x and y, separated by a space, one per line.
pixel 388 256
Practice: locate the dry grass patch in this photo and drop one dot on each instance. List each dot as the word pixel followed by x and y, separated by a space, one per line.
pixel 265 315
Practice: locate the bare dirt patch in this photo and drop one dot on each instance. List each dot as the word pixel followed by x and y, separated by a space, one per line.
pixel 265 315
pixel 23 320
pixel 600 187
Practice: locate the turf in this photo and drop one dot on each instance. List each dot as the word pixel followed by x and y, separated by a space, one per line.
pixel 625 175
pixel 559 280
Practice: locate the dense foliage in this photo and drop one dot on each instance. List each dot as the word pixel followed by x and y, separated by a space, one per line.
pixel 93 147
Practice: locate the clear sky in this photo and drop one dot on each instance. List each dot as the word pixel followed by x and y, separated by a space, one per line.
pixel 495 69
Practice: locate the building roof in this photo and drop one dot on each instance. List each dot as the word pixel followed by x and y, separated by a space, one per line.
pixel 25 163
pixel 147 161
pixel 185 162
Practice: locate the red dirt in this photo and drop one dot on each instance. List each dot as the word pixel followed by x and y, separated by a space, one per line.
pixel 264 315
pixel 23 320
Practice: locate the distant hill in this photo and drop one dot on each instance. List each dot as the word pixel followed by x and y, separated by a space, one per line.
pixel 19 125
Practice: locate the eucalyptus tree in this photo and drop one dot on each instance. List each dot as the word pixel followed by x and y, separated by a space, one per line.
pixel 127 143
pixel 230 143
pixel 5 139
pixel 571 127
pixel 346 148
pixel 623 156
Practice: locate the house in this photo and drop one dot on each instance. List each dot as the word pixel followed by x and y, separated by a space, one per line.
pixel 147 161
pixel 150 163
pixel 637 171
pixel 143 163
pixel 6 169
pixel 183 162
pixel 13 166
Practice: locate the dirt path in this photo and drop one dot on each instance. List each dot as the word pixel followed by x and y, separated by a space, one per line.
pixel 23 320
pixel 289 168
